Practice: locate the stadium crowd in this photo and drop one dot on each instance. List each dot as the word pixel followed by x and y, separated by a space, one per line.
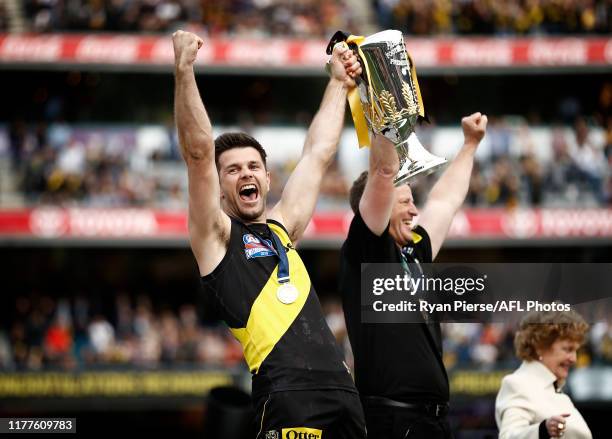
pixel 316 18
pixel 489 17
pixel 252 18
pixel 580 165
pixel 136 332
pixel 73 334
pixel 118 167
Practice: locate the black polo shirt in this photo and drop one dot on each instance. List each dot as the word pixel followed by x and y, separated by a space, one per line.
pixel 400 361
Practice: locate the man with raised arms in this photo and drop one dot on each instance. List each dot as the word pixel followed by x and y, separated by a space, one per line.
pixel 252 275
pixel 398 366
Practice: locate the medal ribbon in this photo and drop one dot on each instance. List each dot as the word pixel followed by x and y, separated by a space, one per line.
pixel 282 275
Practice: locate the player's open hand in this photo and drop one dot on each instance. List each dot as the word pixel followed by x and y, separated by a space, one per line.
pixel 474 127
pixel 344 65
pixel 186 46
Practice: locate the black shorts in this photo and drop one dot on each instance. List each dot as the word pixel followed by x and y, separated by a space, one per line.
pixel 310 414
pixel 399 423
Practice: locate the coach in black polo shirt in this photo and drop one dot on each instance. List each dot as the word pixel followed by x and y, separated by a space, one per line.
pixel 398 367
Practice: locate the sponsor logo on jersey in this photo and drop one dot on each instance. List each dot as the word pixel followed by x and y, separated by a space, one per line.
pixel 301 433
pixel 272 434
pixel 254 248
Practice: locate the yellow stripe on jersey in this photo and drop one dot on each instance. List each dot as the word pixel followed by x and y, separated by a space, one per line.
pixel 270 318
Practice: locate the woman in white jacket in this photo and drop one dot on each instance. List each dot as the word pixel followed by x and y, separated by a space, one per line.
pixel 530 403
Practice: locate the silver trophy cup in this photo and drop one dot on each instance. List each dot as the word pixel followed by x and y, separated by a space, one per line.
pixel 390 98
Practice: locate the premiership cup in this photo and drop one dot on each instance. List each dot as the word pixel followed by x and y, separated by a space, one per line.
pixel 391 100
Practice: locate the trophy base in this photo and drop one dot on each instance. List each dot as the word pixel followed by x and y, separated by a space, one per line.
pixel 413 168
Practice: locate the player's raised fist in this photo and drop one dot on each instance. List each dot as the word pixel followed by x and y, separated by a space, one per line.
pixel 474 127
pixel 186 46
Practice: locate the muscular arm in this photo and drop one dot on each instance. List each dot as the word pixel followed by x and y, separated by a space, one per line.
pixel 447 195
pixel 377 199
pixel 299 197
pixel 208 225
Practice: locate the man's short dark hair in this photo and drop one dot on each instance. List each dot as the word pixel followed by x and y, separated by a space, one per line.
pixel 229 141
pixel 357 191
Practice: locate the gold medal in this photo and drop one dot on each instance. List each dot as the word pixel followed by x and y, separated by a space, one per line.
pixel 287 293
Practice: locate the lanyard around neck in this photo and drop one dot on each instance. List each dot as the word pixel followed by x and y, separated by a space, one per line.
pixel 278 249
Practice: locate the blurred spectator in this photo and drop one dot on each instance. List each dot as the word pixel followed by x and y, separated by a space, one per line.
pixel 499 137
pixel 532 180
pixel 476 191
pixel 59 336
pixel 601 340
pixel 503 184
pixel 17 142
pixel 189 334
pixel 58 343
pixel 590 164
pixel 3 18
pixel 170 340
pixel 334 188
pixel 559 169
pixel 211 348
pixel 123 316
pixel 71 160
pixel 101 337
pixel 6 357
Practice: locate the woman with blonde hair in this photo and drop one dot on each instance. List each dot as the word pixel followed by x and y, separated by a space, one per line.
pixel 530 403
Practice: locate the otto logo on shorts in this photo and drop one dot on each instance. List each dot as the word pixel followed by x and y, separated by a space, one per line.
pixel 301 433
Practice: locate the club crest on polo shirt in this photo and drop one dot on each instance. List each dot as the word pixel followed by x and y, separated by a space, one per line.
pixel 254 248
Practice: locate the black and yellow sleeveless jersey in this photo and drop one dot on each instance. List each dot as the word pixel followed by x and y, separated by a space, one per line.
pixel 286 346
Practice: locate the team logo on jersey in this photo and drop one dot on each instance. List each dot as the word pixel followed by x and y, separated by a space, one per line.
pixel 254 248
pixel 301 433
pixel 272 434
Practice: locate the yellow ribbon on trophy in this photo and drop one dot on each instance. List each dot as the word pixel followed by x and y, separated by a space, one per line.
pixel 357 112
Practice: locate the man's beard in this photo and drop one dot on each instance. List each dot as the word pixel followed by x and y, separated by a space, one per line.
pixel 233 208
pixel 251 215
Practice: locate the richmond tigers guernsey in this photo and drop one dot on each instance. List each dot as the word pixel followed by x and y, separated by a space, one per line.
pixel 287 347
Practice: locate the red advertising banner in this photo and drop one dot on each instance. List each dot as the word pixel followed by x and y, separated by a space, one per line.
pixel 471 224
pixel 287 54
